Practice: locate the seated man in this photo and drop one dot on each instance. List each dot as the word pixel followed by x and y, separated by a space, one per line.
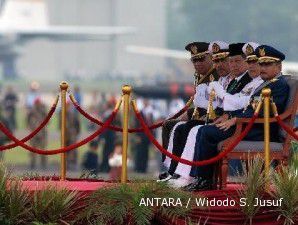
pixel 270 61
pixel 204 73
pixel 239 100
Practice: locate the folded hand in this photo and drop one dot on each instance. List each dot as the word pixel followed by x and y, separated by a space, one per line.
pixel 226 124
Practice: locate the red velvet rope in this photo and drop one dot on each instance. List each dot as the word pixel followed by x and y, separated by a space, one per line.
pixel 119 129
pixel 31 135
pixel 60 150
pixel 195 163
pixel 288 129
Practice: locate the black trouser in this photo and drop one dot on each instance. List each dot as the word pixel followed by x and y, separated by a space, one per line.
pixel 206 148
pixel 166 132
pixel 109 137
pixel 208 140
pixel 141 156
pixel 180 138
pixel 169 125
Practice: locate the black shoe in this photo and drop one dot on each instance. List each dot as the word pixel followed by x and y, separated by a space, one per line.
pixel 166 176
pixel 175 176
pixel 163 175
pixel 199 185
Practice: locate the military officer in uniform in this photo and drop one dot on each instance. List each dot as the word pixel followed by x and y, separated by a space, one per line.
pixel 204 72
pixel 220 52
pixel 270 61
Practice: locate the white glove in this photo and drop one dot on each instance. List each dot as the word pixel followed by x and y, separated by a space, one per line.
pixel 218 88
pixel 200 89
pixel 212 86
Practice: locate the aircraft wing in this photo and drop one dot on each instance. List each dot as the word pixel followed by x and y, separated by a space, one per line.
pixel 158 52
pixel 68 32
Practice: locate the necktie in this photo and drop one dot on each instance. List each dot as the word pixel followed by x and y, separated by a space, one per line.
pixel 232 85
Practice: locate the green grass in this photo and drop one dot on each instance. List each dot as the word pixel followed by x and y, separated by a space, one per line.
pixel 295 146
pixel 19 156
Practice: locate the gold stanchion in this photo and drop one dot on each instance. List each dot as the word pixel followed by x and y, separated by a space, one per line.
pixel 210 115
pixel 126 90
pixel 266 92
pixel 63 88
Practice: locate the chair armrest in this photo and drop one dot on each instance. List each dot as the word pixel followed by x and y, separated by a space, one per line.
pixel 259 120
pixel 241 121
pixel 283 116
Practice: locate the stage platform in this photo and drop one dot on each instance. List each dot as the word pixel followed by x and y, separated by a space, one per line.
pixel 212 215
pixel 72 185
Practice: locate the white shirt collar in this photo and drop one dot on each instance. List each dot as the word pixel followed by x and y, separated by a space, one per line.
pixel 239 77
pixel 226 77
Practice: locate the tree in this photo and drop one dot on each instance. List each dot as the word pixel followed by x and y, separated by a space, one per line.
pixel 266 22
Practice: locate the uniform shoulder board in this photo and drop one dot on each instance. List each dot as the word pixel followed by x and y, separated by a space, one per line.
pixel 273 80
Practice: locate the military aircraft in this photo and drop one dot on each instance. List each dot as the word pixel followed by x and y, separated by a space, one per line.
pixel 25 20
pixel 179 88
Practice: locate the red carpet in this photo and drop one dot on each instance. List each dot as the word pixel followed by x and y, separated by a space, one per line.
pixel 212 215
pixel 81 186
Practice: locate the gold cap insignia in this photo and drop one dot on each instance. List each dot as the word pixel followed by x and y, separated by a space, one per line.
pixel 211 78
pixel 194 49
pixel 262 52
pixel 215 48
pixel 249 50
